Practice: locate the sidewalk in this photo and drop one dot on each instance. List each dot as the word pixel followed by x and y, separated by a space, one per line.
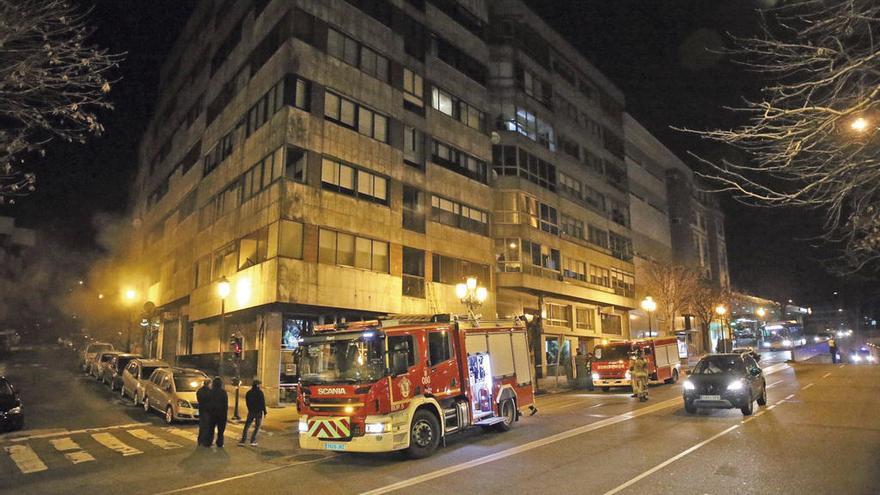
pixel 280 419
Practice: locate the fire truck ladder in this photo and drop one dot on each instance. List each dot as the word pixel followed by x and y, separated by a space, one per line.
pixel 431 296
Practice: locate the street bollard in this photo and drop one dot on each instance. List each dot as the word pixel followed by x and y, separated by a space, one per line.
pixel 235 415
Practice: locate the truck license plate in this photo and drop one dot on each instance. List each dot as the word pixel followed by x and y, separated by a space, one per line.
pixel 334 446
pixel 710 397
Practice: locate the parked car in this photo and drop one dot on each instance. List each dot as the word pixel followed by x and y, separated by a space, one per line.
pixel 112 373
pixel 172 391
pixel 725 381
pixel 102 359
pixel 88 354
pixel 11 416
pixel 135 376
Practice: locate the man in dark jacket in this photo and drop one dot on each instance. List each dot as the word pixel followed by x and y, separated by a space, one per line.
pixel 218 408
pixel 203 397
pixel 256 404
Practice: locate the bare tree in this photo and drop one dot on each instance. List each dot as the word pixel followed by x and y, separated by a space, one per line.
pixel 812 135
pixel 702 302
pixel 52 84
pixel 670 285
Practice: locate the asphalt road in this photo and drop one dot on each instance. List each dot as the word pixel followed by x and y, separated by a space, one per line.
pixel 819 434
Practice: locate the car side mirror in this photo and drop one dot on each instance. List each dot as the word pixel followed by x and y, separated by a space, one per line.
pixel 167 387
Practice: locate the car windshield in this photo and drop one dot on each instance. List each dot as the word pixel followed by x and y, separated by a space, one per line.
pixel 712 365
pixel 351 360
pixel 106 357
pixel 5 389
pixel 100 347
pixel 188 383
pixel 146 371
pixel 612 352
pixel 122 361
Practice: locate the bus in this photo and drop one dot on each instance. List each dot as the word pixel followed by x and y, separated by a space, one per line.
pixel 782 335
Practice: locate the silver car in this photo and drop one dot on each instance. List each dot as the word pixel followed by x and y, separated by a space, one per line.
pixel 112 374
pixel 88 354
pixel 135 376
pixel 102 359
pixel 172 391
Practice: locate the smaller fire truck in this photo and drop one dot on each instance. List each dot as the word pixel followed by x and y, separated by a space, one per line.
pixel 610 366
pixel 406 382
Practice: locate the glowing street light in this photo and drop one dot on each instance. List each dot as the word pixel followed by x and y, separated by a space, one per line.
pixel 471 295
pixel 130 295
pixel 649 305
pixel 860 124
pixel 761 312
pixel 720 310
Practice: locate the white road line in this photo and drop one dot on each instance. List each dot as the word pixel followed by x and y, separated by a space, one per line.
pixel 25 458
pixel 807 386
pixel 72 451
pixel 841 366
pixel 525 447
pixel 669 461
pixel 188 434
pixel 58 433
pixel 777 382
pixel 788 397
pixel 771 406
pixel 246 475
pixel 153 439
pixel 113 443
pixel 826 375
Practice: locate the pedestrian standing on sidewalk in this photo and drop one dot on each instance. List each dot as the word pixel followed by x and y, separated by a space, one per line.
pixel 256 404
pixel 203 397
pixel 832 348
pixel 218 408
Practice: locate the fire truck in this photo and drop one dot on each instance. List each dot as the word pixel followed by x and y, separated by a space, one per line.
pixel 407 382
pixel 610 366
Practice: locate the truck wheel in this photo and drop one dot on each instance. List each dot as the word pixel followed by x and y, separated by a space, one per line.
pixel 508 412
pixel 674 377
pixel 424 435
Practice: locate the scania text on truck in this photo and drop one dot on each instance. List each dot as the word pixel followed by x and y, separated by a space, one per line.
pixel 408 382
pixel 611 362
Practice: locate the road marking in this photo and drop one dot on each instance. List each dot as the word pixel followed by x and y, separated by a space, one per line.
pixel 188 434
pixel 826 375
pixel 841 366
pixel 670 461
pixel 153 439
pixel 58 433
pixel 787 397
pixel 113 443
pixel 25 458
pixel 808 386
pixel 72 451
pixel 777 382
pixel 525 447
pixel 771 406
pixel 246 475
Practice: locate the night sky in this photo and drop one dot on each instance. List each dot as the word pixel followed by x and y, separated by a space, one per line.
pixel 654 50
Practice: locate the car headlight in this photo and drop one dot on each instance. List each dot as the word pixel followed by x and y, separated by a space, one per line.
pixel 377 427
pixel 14 410
pixel 816 339
pixel 856 358
pixel 627 375
pixel 765 344
pixel 688 385
pixel 303 425
pixel 786 343
pixel 596 377
pixel 184 404
pixel 737 385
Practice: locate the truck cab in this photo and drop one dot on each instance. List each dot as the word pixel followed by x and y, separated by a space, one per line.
pixel 610 366
pixel 408 382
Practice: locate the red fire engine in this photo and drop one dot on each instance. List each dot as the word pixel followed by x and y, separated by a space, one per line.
pixel 408 382
pixel 610 365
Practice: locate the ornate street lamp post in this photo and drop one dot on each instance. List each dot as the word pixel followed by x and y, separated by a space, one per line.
pixel 649 305
pixel 471 296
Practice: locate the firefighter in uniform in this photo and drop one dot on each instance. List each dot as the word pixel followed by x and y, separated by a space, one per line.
pixel 639 376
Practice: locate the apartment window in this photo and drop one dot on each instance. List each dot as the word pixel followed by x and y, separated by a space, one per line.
pixel 621 247
pixel 558 315
pixel 513 161
pixel 524 121
pixel 507 255
pixel 448 270
pixel 339 248
pixel 458 109
pixel 413 147
pixel 616 176
pixel 569 147
pixel 413 90
pixel 459 161
pixel 611 324
pixel 458 59
pixel 565 107
pixel 262 174
pixel 269 45
pixel 533 86
pixel 225 48
pixel 584 318
pixel 575 269
pixel 623 283
pixel 350 114
pixel 413 272
pixel 600 276
pixel 442 101
pixel 203 271
pixel 570 187
pixel 458 215
pixel 413 209
pixel 549 219
pixel 253 249
pixel 219 152
pixel 345 179
pixel 542 256
pixel 593 162
pixel 187 206
pixel 290 239
pixel 572 227
pixel 225 261
pixel 594 198
pixel 348 50
pixel 598 236
pixel 191 158
pixel 273 101
pixel 619 212
pixel 195 110
pixel 295 164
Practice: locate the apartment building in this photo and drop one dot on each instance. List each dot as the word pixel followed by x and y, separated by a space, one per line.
pixel 561 221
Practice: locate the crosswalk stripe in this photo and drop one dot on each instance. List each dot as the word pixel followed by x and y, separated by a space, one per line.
pixel 72 451
pixel 153 439
pixel 188 434
pixel 25 458
pixel 113 443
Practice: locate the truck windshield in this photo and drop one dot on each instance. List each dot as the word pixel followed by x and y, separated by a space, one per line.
pixel 350 360
pixel 612 352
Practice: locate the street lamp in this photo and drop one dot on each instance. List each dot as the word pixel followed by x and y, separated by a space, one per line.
pixel 471 295
pixel 223 289
pixel 859 124
pixel 720 310
pixel 649 305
